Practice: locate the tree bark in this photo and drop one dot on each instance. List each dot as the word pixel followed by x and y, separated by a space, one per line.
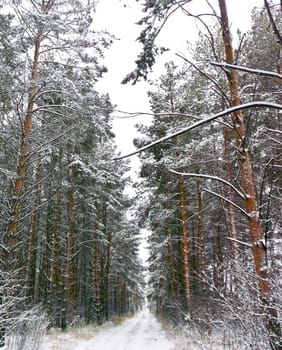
pixel 246 176
pixel 248 186
pixel 23 152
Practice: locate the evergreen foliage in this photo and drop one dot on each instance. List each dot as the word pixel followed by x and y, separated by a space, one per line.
pixel 66 241
pixel 218 230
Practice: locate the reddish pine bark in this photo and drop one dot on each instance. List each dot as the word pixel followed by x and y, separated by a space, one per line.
pixel 26 129
pixel 248 186
pixel 23 153
pixel 246 175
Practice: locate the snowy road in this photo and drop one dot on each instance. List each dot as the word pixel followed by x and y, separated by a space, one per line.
pixel 141 332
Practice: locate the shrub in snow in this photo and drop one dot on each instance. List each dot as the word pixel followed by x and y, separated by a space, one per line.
pixel 27 331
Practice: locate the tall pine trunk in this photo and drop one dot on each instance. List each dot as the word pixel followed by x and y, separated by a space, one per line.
pixel 248 187
pixel 23 156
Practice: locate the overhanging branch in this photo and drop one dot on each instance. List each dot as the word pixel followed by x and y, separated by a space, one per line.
pixel 246 69
pixel 202 122
pixel 228 201
pixel 210 177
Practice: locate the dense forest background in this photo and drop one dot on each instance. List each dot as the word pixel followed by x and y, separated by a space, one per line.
pixel 66 241
pixel 210 178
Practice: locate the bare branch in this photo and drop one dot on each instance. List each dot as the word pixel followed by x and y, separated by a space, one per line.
pixel 136 114
pixel 222 93
pixel 240 242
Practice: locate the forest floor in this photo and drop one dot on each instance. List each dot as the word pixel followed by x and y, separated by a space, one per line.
pixel 141 332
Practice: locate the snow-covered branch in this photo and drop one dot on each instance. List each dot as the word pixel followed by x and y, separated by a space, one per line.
pixel 227 200
pixel 210 177
pixel 57 137
pixel 240 242
pixel 53 91
pixel 202 122
pixel 58 114
pixel 274 130
pixel 246 69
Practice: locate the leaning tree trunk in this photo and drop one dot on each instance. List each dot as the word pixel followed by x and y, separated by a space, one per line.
pixel 248 187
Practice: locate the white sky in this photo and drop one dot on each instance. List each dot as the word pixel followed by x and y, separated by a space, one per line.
pixel 113 16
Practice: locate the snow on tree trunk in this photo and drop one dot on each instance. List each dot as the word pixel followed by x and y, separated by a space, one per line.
pixel 23 152
pixel 248 187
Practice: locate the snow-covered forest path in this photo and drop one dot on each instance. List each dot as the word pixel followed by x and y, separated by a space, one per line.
pixel 141 332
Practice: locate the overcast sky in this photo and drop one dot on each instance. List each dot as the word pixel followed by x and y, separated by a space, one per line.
pixel 113 16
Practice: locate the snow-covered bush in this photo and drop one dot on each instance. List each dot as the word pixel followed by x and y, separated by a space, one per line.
pixel 235 319
pixel 27 330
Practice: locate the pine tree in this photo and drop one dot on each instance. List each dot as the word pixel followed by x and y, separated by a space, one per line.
pixel 66 188
pixel 220 90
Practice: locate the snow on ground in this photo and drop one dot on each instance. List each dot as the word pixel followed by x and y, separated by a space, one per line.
pixel 141 332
